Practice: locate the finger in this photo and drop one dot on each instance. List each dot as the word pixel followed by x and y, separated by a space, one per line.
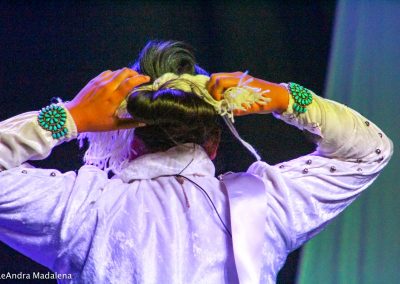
pixel 221 84
pixel 214 77
pixel 104 74
pixel 254 108
pixel 260 108
pixel 96 81
pixel 122 74
pixel 264 107
pixel 99 81
pixel 126 123
pixel 119 76
pixel 127 86
pixel 107 75
pixel 101 76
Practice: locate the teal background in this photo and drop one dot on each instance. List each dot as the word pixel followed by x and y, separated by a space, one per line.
pixel 363 244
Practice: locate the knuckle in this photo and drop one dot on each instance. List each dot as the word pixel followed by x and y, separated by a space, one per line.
pixel 133 79
pixel 129 83
pixel 103 85
pixel 222 81
pixel 126 70
pixel 139 80
pixel 96 83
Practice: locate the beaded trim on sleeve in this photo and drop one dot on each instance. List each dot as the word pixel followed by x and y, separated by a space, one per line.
pixel 53 118
pixel 302 97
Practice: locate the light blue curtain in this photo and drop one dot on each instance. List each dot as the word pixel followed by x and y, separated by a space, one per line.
pixel 363 244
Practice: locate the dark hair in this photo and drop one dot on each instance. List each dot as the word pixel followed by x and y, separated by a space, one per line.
pixel 173 117
pixel 160 57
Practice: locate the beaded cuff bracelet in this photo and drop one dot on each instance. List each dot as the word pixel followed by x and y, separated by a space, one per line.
pixel 52 118
pixel 302 97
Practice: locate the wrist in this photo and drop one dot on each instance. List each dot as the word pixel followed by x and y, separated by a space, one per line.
pixel 57 121
pixel 282 100
pixel 75 116
pixel 279 96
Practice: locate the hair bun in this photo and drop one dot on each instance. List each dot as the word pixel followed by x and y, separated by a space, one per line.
pixel 160 57
pixel 173 117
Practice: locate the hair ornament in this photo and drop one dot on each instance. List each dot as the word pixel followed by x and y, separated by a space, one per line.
pixel 110 150
pixel 240 97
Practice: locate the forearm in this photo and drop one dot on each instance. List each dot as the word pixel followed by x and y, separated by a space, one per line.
pixel 22 139
pixel 342 132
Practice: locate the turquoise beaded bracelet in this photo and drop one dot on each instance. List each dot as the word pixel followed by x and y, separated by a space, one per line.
pixel 53 118
pixel 302 97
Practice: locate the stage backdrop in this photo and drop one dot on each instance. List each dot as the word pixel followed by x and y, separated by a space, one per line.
pixel 363 245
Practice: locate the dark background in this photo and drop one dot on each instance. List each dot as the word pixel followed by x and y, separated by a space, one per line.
pixel 50 49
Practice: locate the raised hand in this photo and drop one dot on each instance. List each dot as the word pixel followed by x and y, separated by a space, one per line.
pixel 220 82
pixel 94 107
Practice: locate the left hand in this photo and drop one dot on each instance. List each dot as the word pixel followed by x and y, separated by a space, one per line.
pixel 220 82
pixel 94 108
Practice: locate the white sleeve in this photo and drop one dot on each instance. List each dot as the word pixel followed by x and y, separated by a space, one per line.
pixel 22 139
pixel 307 192
pixel 32 201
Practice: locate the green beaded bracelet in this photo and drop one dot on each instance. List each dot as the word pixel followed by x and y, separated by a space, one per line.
pixel 302 97
pixel 52 118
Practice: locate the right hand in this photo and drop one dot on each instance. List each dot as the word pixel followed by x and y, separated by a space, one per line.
pixel 220 82
pixel 94 108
